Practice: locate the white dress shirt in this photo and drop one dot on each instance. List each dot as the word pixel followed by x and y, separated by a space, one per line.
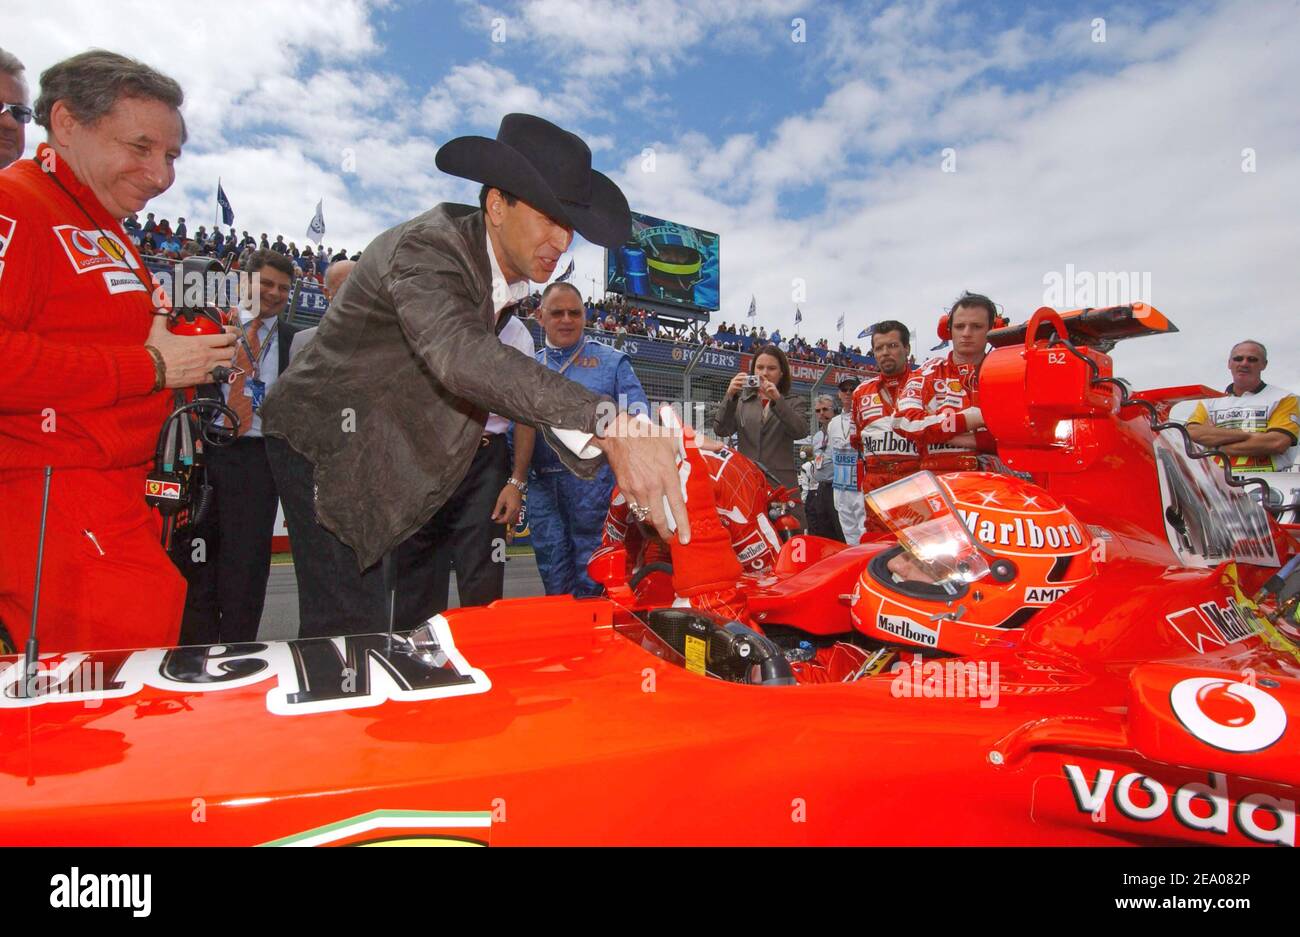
pixel 503 294
pixel 517 336
pixel 269 372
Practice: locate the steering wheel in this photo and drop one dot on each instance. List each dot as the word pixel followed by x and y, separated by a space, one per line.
pixel 645 569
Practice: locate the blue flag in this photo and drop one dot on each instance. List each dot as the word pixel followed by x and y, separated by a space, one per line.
pixel 227 213
pixel 864 333
pixel 798 316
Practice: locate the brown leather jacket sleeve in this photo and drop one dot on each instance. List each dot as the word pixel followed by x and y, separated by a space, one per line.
pixel 427 282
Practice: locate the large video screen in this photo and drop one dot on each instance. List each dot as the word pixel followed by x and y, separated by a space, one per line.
pixel 666 262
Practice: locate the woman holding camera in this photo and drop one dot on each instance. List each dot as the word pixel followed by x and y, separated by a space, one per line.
pixel 758 407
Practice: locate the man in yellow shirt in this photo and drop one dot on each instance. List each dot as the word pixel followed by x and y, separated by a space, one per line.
pixel 1257 425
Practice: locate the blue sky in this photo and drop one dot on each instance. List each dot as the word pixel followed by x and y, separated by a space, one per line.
pixel 901 153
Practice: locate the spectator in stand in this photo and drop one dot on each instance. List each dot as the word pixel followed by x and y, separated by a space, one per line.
pixel 264 244
pixel 279 246
pixel 766 418
pixel 181 230
pixel 201 235
pixel 15 111
pixel 150 226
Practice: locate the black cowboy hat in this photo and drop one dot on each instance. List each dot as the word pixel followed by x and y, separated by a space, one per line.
pixel 547 167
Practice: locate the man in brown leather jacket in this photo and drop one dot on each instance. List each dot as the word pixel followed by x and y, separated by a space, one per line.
pixel 383 412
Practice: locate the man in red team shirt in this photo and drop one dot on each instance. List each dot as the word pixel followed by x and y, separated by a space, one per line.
pixel 887 455
pixel 86 361
pixel 939 410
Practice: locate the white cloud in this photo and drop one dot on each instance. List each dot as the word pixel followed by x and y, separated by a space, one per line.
pixel 1114 156
pixel 1135 166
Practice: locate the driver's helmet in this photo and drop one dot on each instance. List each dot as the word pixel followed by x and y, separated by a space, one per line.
pixel 978 555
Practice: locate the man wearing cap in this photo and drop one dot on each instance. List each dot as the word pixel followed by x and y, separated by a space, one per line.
pixel 386 408
pixel 844 473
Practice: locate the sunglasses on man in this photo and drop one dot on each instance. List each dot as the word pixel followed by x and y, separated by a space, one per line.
pixel 1238 359
pixel 21 112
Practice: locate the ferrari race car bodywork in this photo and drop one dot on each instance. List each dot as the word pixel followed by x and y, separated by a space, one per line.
pixel 1149 704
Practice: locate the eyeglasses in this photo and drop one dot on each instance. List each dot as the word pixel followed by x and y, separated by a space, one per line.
pixel 21 112
pixel 571 313
pixel 1238 359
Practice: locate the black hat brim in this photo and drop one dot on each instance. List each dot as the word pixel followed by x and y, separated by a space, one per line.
pixel 607 221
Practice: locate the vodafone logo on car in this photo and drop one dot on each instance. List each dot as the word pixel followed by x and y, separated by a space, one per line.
pixel 1211 807
pixel 1227 714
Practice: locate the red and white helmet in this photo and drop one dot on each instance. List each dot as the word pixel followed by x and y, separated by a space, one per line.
pixel 978 555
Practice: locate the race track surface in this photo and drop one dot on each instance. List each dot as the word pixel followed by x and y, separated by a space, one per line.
pixel 280 616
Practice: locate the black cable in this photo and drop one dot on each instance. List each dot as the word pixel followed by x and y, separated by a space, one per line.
pixel 1194 450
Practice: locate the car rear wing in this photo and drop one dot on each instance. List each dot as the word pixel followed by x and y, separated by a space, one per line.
pixel 1097 328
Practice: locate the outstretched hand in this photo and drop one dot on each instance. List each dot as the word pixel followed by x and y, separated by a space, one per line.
pixel 643 456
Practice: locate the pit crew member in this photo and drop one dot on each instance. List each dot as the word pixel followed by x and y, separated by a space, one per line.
pixel 886 455
pixel 565 513
pixel 939 410
pixel 1257 424
pixel 87 361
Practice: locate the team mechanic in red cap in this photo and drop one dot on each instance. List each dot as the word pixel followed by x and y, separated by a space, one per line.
pixel 87 361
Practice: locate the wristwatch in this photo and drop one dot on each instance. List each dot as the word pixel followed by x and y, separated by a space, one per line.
pixel 522 486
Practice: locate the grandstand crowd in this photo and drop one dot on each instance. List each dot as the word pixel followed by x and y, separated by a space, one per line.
pixel 613 314
pixel 160 238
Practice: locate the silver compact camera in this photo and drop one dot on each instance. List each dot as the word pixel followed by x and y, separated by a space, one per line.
pixel 752 381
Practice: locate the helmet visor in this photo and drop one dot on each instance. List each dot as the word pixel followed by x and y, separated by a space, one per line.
pixel 939 548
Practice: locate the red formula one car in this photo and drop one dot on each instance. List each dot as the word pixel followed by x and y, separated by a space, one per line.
pixel 1095 649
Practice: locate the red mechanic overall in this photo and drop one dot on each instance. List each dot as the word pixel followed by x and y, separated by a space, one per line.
pixel 929 414
pixel 76 393
pixel 886 455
